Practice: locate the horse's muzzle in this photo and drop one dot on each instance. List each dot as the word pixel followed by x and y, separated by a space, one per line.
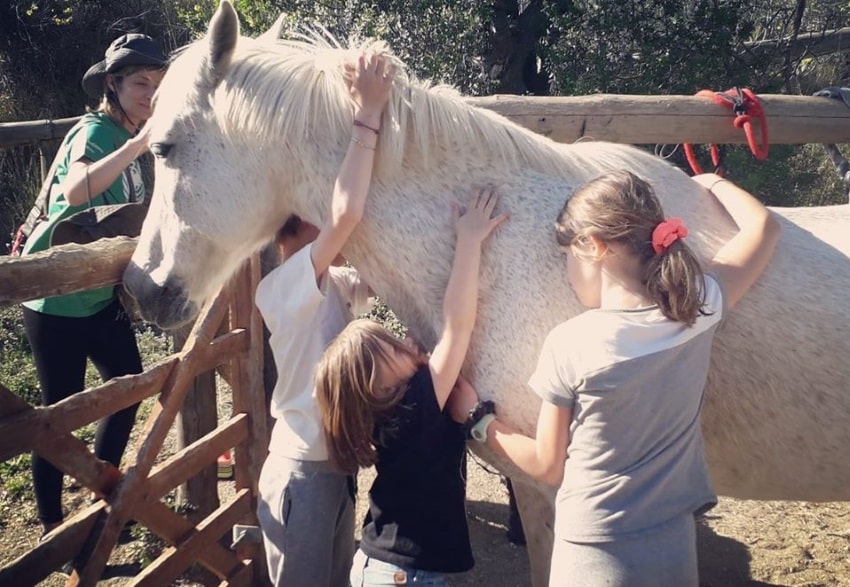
pixel 165 305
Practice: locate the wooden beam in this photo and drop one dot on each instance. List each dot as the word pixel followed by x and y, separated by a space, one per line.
pixel 64 269
pixel 192 459
pixel 25 428
pixel 32 567
pixel 176 559
pixel 24 431
pixel 198 415
pixel 73 457
pixel 631 119
pixel 132 487
pixel 670 119
pixel 32 131
pixel 247 372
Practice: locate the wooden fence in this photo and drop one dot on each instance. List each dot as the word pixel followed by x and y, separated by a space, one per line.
pixel 227 337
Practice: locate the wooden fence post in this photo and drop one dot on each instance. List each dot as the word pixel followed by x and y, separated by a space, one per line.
pixel 197 417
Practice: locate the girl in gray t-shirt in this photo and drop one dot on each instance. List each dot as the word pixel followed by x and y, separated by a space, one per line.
pixel 623 382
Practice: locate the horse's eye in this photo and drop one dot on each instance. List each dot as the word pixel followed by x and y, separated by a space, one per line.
pixel 160 150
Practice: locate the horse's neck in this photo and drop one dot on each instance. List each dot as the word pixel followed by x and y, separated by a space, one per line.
pixel 403 248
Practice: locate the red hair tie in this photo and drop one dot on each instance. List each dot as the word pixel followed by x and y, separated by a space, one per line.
pixel 666 233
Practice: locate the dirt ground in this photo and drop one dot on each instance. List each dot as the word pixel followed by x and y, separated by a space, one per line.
pixel 741 543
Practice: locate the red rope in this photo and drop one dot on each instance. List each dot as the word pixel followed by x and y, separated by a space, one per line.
pixel 746 107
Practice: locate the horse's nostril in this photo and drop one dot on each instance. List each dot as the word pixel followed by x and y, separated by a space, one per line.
pixel 166 305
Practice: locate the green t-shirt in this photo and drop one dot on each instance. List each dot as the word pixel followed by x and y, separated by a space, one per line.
pixel 93 138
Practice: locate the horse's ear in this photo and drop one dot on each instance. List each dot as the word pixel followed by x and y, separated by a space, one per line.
pixel 222 35
pixel 273 34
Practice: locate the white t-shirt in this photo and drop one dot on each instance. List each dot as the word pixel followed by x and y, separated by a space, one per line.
pixel 303 318
pixel 635 381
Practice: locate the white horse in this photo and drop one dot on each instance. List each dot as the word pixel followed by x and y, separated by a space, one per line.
pixel 248 131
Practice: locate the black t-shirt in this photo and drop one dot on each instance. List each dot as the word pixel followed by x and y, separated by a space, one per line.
pixel 417 513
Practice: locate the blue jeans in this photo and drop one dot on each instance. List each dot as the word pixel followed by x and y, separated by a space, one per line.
pixel 370 572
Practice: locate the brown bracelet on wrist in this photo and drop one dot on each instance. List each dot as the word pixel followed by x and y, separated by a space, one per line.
pixel 364 125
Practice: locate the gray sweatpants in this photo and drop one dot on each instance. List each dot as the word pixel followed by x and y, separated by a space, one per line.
pixel 663 557
pixel 306 513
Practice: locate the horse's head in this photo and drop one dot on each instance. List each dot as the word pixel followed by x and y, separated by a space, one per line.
pixel 225 169
pixel 184 251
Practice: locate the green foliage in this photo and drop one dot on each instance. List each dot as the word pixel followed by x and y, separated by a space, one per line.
pixel 790 176
pixel 569 47
pixel 413 28
pixel 16 479
pixel 644 46
pixel 46 46
pixel 154 344
pixel 19 170
pixel 17 371
pixel 381 313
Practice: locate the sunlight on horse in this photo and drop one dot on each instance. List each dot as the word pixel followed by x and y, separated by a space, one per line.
pixel 248 131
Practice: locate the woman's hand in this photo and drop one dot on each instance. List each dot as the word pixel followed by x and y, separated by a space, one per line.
pixel 139 144
pixel 478 222
pixel 370 83
pixel 462 399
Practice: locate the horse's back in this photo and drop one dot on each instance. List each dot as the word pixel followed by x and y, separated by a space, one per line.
pixel 776 412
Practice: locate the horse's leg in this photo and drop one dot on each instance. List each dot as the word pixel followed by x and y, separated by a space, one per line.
pixel 515 533
pixel 536 508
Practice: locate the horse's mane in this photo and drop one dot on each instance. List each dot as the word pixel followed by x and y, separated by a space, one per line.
pixel 295 88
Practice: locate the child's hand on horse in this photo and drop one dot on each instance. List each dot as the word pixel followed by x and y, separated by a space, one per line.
pixel 478 221
pixel 370 83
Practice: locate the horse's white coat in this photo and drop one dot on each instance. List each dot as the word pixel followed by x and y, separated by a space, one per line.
pixel 268 140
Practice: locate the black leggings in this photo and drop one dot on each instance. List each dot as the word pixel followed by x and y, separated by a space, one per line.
pixel 60 347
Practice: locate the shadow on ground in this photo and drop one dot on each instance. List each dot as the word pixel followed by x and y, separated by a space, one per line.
pixel 723 562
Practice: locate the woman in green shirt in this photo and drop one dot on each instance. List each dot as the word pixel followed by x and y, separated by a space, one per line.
pixel 96 166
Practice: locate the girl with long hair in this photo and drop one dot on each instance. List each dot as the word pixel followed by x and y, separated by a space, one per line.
pixel 386 403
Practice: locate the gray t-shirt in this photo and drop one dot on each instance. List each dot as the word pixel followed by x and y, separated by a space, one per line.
pixel 635 382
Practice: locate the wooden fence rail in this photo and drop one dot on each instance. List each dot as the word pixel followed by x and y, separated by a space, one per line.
pixel 672 119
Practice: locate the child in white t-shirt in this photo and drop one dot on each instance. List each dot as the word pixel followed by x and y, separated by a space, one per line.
pixel 306 505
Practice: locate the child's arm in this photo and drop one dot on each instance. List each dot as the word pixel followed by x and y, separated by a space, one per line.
pixel 542 457
pixel 371 85
pixel 460 303
pixel 740 262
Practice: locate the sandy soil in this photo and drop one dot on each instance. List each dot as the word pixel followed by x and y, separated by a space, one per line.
pixel 741 543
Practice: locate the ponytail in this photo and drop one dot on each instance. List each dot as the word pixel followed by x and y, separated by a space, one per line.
pixel 676 283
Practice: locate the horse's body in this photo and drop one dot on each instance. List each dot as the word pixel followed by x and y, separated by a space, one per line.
pixel 259 130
